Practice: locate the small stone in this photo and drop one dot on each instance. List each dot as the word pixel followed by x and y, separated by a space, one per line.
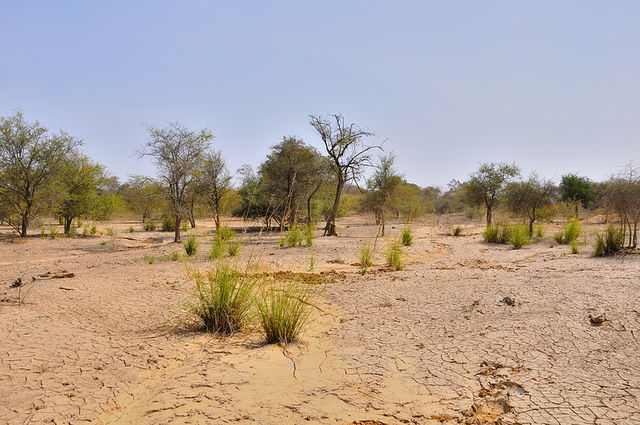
pixel 597 318
pixel 508 301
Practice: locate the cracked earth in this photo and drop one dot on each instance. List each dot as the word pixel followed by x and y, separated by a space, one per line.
pixel 434 343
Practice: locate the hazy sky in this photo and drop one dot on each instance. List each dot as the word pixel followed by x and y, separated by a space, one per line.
pixel 551 85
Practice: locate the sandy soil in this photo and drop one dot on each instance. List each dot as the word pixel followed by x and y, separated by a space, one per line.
pixel 433 343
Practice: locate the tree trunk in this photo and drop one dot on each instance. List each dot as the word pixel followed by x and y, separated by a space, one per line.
pixel 330 228
pixel 176 237
pixel 192 219
pixel 67 225
pixel 217 213
pixel 532 220
pixel 577 211
pixel 24 226
pixel 488 216
pixel 383 220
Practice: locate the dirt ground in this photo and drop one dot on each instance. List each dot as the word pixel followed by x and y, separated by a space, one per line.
pixel 466 333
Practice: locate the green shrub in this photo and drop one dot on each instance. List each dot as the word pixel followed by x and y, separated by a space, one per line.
pixel 393 256
pixel 43 233
pixel 72 232
pixel 184 226
pixel 559 237
pixel 191 245
pixel 131 229
pixel 406 238
pixel 94 230
pixel 79 223
pixel 149 226
pixel 85 231
pixel 308 234
pixel 572 231
pixel 53 233
pixel 574 247
pixel 174 256
pixel 233 247
pixel 610 243
pixel 457 231
pixel 168 224
pixel 539 231
pixel 497 233
pixel 217 249
pixel 149 259
pixel 110 232
pixel 222 299
pixel 365 258
pixel 284 311
pixel 294 236
pixel 518 235
pixel 225 233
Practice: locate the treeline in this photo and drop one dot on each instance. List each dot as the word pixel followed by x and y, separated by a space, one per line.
pixel 45 173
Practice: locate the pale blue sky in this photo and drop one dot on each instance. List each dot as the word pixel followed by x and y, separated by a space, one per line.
pixel 551 85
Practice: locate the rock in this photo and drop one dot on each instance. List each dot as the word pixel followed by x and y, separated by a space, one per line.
pixel 597 318
pixel 508 301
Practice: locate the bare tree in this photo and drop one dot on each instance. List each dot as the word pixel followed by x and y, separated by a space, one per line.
pixel 177 153
pixel 215 182
pixel 350 155
pixel 29 158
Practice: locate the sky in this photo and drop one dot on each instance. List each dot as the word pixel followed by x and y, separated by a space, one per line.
pixel 553 86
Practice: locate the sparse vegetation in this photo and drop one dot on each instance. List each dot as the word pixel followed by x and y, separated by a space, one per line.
pixel 233 247
pixel 457 231
pixel 365 258
pixel 497 233
pixel 518 235
pixel 191 245
pixel 225 233
pixel 222 299
pixel 94 230
pixel 294 237
pixel 574 247
pixel 53 233
pixel 308 234
pixel 394 252
pixel 610 243
pixel 168 224
pixel 149 259
pixel 217 249
pixel 570 232
pixel 149 226
pixel 284 310
pixel 131 229
pixel 174 256
pixel 406 237
pixel 539 231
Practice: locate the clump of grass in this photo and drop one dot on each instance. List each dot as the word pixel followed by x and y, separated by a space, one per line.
pixel 233 248
pixel 85 231
pixel 131 229
pixel 217 249
pixel 311 263
pixel 284 311
pixel 539 231
pixel 110 232
pixel 222 299
pixel 225 233
pixel 149 226
pixel 574 247
pixel 282 242
pixel 191 245
pixel 168 224
pixel 174 256
pixel 610 243
pixel 79 223
pixel 559 237
pixel 457 231
pixel 184 226
pixel 53 233
pixel 572 231
pixel 104 242
pixel 94 230
pixel 294 236
pixel 72 232
pixel 43 233
pixel 150 259
pixel 518 236
pixel 308 234
pixel 406 238
pixel 394 253
pixel 365 258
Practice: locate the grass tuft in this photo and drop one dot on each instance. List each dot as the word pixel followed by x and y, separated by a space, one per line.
pixel 191 245
pixel 217 249
pixel 457 231
pixel 394 253
pixel 610 243
pixel 225 233
pixel 308 234
pixel 294 236
pixel 518 235
pixel 406 238
pixel 284 311
pixel 365 258
pixel 149 226
pixel 233 248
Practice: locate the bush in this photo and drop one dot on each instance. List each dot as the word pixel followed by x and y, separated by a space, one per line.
pixel 79 223
pixel 308 234
pixel 572 231
pixel 539 231
pixel 149 226
pixel 393 256
pixel 94 230
pixel 491 234
pixel 168 224
pixel 406 238
pixel 518 235
pixel 85 231
pixel 131 229
pixel 222 299
pixel 191 245
pixel 610 243
pixel 217 249
pixel 559 237
pixel 225 233
pixel 282 242
pixel 72 232
pixel 53 233
pixel 574 247
pixel 233 248
pixel 294 236
pixel 457 231
pixel 174 256
pixel 365 258
pixel 284 311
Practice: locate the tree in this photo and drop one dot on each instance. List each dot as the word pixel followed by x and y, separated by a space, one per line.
pixel 382 186
pixel 292 174
pixel 215 183
pixel 143 195
pixel 623 195
pixel 487 185
pixel 527 198
pixel 29 158
pixel 577 191
pixel 80 190
pixel 350 155
pixel 177 153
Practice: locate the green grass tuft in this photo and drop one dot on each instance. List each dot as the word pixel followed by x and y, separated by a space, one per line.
pixel 406 238
pixel 191 245
pixel 610 243
pixel 365 258
pixel 518 235
pixel 394 253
